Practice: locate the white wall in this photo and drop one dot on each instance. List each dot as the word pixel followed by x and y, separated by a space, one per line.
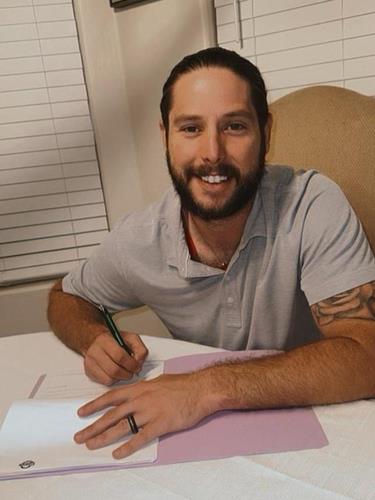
pixel 127 56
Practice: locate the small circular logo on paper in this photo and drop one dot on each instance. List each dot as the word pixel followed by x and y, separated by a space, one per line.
pixel 27 464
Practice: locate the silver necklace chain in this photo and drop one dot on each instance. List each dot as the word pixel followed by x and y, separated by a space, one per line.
pixel 220 263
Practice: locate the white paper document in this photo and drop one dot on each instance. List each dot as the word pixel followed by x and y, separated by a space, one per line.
pixel 73 384
pixel 36 437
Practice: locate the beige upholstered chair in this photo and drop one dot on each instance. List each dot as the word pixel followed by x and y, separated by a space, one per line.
pixel 332 130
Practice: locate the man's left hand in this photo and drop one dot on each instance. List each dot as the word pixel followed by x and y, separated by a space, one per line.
pixel 159 406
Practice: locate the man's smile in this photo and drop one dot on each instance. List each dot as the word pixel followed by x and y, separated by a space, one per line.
pixel 212 184
pixel 214 179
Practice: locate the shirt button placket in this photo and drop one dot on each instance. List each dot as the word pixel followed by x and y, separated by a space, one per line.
pixel 231 303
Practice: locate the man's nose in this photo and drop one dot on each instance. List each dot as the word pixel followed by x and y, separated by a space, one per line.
pixel 212 147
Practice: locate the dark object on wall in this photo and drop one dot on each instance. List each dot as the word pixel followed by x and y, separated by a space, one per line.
pixel 118 4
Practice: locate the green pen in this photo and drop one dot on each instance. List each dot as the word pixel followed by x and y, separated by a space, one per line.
pixel 113 329
pixel 116 335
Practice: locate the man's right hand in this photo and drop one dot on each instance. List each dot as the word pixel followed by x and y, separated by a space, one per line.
pixel 79 324
pixel 106 362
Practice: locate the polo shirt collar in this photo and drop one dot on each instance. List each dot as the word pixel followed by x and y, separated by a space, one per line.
pixel 178 253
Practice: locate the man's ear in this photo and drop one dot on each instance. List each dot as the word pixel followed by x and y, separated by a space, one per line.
pixel 163 133
pixel 267 132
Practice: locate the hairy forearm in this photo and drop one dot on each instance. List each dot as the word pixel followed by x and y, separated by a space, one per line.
pixel 74 321
pixel 331 370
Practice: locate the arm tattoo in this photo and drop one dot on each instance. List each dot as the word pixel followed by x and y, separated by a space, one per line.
pixel 357 303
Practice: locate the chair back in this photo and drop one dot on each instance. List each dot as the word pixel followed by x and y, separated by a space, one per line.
pixel 332 130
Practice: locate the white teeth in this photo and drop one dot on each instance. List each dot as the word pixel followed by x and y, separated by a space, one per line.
pixel 214 179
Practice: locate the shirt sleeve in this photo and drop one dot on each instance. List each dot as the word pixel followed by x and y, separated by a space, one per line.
pixel 335 254
pixel 101 279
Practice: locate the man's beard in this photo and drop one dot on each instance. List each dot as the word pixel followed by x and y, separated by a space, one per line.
pixel 244 191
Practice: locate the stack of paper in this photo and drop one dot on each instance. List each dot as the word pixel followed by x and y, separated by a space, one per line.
pixel 37 437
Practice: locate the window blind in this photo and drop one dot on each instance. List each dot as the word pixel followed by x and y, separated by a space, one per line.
pixel 298 43
pixel 52 212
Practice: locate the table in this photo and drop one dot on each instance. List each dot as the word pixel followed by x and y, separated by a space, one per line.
pixel 343 469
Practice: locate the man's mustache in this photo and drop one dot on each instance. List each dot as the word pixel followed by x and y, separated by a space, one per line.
pixel 223 169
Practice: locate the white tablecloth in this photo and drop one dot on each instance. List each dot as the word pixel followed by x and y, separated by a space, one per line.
pixel 343 469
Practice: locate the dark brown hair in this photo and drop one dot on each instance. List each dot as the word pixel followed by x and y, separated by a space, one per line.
pixel 220 58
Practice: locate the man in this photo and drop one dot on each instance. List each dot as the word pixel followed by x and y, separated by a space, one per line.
pixel 245 256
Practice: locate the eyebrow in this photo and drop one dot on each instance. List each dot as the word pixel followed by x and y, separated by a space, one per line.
pixel 240 113
pixel 186 118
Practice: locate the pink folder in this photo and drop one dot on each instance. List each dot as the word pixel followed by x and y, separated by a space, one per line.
pixel 231 433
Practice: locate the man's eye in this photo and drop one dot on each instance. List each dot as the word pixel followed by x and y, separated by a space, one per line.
pixel 236 127
pixel 190 129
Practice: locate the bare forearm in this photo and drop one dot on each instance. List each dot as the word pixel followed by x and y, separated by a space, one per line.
pixel 331 370
pixel 74 321
pixel 338 368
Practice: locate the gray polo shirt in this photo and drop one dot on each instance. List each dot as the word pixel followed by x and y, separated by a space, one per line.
pixel 302 243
